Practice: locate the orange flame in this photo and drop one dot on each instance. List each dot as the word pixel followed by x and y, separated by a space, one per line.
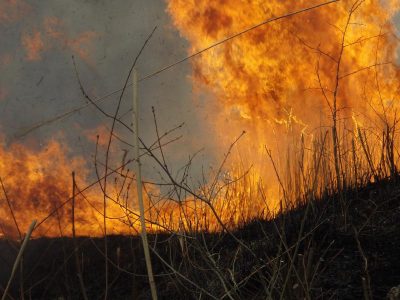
pixel 37 181
pixel 270 69
pixel 277 82
pixel 33 45
pixel 53 35
pixel 54 28
pixel 99 135
pixel 12 10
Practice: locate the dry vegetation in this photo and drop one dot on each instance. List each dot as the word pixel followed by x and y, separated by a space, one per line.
pixel 333 235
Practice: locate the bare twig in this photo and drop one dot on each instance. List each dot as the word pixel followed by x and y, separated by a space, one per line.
pixel 139 185
pixel 21 251
pixel 33 127
pixel 78 268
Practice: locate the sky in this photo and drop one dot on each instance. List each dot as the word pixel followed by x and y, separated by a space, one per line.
pixel 104 38
pixel 38 80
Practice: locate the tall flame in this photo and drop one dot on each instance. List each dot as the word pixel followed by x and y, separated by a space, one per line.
pixel 270 69
pixel 278 81
pixel 37 184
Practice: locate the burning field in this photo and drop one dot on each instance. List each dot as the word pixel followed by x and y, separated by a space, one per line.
pixel 296 103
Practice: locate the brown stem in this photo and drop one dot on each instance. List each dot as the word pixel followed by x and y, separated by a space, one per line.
pixel 78 266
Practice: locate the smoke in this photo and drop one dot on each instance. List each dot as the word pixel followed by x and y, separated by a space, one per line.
pixel 38 80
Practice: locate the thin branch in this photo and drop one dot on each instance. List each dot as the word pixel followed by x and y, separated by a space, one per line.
pixel 31 128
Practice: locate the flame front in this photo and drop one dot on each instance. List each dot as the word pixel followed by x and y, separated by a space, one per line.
pixel 285 83
pixel 278 82
pixel 37 184
pixel 272 69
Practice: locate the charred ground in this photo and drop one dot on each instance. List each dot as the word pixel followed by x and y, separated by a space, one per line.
pixel 337 250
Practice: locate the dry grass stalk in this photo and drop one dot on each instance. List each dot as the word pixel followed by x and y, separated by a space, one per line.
pixel 78 268
pixel 139 185
pixel 19 257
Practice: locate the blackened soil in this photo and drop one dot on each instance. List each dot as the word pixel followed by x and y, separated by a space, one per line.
pixel 347 238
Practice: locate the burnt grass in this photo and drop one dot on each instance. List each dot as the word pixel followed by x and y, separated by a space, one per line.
pixel 330 245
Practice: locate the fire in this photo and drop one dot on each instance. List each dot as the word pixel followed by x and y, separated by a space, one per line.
pixel 98 135
pixel 277 82
pixel 79 44
pixel 36 183
pixel 270 70
pixel 12 10
pixel 55 35
pixel 37 180
pixel 33 44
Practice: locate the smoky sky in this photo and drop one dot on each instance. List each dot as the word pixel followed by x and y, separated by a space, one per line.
pixel 38 80
pixel 109 34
